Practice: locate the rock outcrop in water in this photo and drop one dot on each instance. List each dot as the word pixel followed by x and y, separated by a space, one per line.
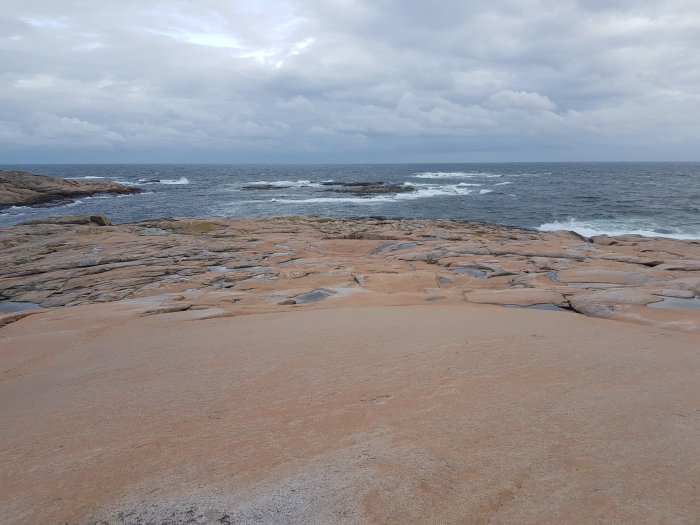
pixel 263 262
pixel 19 188
pixel 265 187
pixel 367 188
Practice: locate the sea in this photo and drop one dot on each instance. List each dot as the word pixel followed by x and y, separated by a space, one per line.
pixel 647 198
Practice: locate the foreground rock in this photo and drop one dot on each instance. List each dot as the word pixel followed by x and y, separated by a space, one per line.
pixel 290 370
pixel 18 188
pixel 112 415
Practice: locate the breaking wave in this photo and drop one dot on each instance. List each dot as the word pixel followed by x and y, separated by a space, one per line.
pixel 616 227
pixel 289 183
pixel 455 175
pixel 141 182
pixel 422 191
pixel 181 180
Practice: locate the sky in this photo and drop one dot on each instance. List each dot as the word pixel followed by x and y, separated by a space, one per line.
pixel 349 80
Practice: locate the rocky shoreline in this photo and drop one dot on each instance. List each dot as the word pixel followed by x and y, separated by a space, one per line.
pixel 19 188
pixel 296 369
pixel 257 264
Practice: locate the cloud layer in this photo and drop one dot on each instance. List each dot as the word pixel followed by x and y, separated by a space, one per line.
pixel 343 80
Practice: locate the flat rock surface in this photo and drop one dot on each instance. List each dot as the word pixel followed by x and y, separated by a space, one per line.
pixel 413 414
pixel 19 188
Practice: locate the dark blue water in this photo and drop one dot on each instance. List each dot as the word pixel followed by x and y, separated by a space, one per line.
pixel 591 198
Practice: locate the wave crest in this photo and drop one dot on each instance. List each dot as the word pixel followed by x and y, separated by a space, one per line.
pixel 455 175
pixel 590 228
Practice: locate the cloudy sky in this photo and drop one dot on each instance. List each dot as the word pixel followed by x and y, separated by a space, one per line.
pixel 349 80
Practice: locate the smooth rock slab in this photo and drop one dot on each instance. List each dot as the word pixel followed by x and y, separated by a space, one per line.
pixel 432 414
pixel 516 296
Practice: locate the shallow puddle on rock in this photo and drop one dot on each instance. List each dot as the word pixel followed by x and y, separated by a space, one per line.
pixel 552 276
pixel 594 284
pixel 470 271
pixel 219 269
pixel 238 269
pixel 541 306
pixel 438 298
pixel 16 306
pixel 312 297
pixel 443 280
pixel 405 246
pixel 384 246
pixel 259 277
pixel 431 238
pixel 677 302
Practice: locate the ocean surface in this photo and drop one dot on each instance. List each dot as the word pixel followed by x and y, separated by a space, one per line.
pixel 651 199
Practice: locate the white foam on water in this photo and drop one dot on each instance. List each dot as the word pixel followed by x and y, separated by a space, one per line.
pixel 613 228
pixel 502 183
pixel 181 180
pixel 144 182
pixel 322 200
pixel 435 190
pixel 74 203
pixel 482 192
pixel 454 175
pixel 289 183
pixel 118 195
pixel 422 191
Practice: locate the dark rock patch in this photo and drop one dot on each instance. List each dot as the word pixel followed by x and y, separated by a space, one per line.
pixel 265 187
pixel 367 188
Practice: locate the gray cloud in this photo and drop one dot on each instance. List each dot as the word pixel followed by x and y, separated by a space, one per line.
pixel 343 80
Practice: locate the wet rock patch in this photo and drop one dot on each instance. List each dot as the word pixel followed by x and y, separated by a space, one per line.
pixel 313 296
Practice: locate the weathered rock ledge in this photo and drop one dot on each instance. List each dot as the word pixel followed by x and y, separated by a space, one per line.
pixel 19 188
pixel 266 264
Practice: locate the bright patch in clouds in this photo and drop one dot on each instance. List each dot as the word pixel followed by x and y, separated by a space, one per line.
pixel 207 39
